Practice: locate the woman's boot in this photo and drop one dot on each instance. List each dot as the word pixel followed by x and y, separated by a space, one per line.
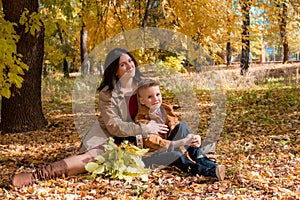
pixel 70 166
pixel 54 170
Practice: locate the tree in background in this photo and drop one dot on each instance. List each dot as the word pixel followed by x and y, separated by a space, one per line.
pixel 282 27
pixel 84 40
pixel 61 20
pixel 244 62
pixel 231 27
pixel 283 31
pixel 215 25
pixel 23 110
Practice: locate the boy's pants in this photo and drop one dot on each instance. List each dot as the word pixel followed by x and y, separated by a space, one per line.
pixel 203 165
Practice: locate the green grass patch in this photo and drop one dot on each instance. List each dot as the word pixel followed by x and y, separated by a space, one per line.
pixel 57 89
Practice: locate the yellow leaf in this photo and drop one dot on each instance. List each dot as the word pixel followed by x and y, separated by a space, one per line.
pixel 200 186
pixel 30 190
pixel 5 92
pixel 83 194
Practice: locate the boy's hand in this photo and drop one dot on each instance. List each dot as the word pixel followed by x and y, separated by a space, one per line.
pixel 188 139
pixel 196 142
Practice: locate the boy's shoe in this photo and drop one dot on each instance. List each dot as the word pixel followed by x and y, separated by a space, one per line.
pixel 216 172
pixel 220 172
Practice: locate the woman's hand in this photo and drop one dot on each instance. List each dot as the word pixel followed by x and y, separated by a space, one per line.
pixel 155 128
pixel 196 142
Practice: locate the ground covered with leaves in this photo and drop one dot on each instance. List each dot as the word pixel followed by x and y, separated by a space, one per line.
pixel 259 146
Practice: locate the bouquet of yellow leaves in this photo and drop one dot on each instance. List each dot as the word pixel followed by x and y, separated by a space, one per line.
pixel 121 162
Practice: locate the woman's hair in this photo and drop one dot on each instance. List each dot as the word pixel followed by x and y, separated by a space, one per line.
pixel 111 66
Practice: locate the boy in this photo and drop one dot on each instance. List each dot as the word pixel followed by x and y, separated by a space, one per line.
pixel 152 108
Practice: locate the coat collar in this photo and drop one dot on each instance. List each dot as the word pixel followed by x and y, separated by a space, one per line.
pixel 117 91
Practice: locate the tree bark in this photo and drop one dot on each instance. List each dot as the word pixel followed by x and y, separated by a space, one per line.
pixel 283 33
pixel 65 50
pixel 244 63
pixel 83 40
pixel 83 50
pixel 23 110
pixel 147 11
pixel 66 68
pixel 228 53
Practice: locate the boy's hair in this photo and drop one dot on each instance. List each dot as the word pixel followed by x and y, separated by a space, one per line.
pixel 146 83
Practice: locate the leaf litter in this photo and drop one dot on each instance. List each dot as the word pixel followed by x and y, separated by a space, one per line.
pixel 259 146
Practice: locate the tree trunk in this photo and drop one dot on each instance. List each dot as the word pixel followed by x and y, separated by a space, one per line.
pixel 283 33
pixel 23 110
pixel 147 11
pixel 83 40
pixel 66 68
pixel 65 50
pixel 83 50
pixel 245 37
pixel 263 49
pixel 228 53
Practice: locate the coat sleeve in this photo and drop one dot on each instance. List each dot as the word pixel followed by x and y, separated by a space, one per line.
pixel 112 118
pixel 154 142
pixel 142 116
pixel 172 119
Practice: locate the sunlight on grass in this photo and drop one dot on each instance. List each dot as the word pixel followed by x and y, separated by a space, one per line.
pixel 57 89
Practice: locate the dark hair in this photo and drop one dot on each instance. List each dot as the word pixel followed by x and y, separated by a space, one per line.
pixel 111 67
pixel 146 83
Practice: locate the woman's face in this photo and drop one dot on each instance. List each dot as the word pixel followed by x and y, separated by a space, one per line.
pixel 126 67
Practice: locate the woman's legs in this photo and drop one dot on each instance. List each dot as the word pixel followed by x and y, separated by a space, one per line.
pixel 76 164
pixel 69 166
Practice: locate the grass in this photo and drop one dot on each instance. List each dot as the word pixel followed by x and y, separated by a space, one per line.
pixel 255 104
pixel 273 102
pixel 57 89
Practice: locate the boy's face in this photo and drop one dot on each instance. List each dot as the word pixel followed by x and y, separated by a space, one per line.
pixel 151 97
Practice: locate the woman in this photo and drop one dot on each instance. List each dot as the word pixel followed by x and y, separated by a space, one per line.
pixel 117 90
